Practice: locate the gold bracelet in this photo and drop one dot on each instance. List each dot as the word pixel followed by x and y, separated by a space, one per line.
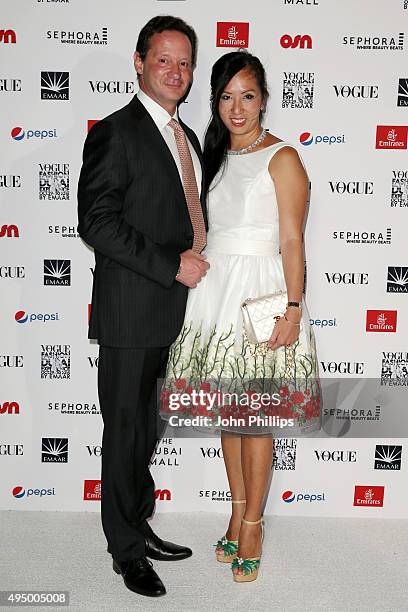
pixel 292 322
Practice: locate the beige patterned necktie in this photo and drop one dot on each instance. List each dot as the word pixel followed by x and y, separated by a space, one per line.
pixel 190 187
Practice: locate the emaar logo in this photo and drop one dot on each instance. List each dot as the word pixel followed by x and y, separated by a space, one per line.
pixel 289 497
pixel 306 139
pixel 22 317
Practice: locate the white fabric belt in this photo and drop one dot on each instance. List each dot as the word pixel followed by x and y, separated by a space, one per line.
pixel 237 246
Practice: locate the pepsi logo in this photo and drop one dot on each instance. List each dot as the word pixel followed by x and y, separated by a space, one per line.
pixel 288 496
pixel 17 133
pixel 21 316
pixel 18 492
pixel 306 138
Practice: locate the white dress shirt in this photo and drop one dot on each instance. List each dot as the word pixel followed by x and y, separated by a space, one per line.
pixel 161 118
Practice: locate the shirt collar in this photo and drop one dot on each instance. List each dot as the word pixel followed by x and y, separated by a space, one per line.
pixel 159 115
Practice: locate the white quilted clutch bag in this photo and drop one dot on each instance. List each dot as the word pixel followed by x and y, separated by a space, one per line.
pixel 260 315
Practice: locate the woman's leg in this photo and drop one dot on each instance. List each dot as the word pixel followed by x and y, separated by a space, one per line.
pixel 256 457
pixel 231 448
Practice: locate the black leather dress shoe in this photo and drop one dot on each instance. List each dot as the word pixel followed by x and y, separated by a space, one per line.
pixel 140 577
pixel 165 551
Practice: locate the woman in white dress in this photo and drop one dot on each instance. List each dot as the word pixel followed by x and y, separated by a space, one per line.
pixel 257 194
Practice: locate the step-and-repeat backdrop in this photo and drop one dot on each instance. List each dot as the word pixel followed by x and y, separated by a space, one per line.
pixel 338 79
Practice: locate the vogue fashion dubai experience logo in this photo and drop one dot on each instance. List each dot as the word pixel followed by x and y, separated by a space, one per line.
pixel 397 279
pixel 55 361
pixel 284 453
pixel 394 369
pixel 394 42
pixel 399 189
pixel 57 272
pixel 54 450
pixel 53 181
pixel 54 85
pixel 298 90
pixel 232 34
pixel 79 37
pixel 387 457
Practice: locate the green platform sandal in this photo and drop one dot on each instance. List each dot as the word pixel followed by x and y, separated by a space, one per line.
pixel 226 550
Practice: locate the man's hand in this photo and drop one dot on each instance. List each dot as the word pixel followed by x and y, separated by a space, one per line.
pixel 192 268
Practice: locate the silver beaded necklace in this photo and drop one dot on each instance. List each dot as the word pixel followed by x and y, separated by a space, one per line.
pixel 260 138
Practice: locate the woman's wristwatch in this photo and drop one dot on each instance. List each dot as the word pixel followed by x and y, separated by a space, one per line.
pixel 294 305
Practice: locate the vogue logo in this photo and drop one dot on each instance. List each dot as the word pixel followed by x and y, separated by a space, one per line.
pixel 391 137
pixel 8 37
pixel 12 272
pixel 376 43
pixel 117 87
pixel 12 450
pixel 9 408
pixel 381 321
pixel 11 361
pixel 344 456
pixel 232 34
pixel 357 92
pixel 10 85
pixel 303 41
pixel 365 495
pixel 352 187
pixel 10 181
pixel 342 367
pixel 347 278
pixel 211 452
pixel 9 231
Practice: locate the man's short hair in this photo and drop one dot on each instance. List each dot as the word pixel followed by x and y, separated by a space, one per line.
pixel 161 23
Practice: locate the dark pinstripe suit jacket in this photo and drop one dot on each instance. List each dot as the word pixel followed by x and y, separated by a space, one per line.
pixel 133 212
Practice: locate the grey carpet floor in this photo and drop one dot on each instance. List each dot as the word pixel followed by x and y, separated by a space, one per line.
pixel 307 564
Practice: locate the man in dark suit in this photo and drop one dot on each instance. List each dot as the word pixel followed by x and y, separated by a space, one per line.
pixel 136 208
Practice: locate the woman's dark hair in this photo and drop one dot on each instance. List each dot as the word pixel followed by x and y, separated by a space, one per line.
pixel 161 23
pixel 217 139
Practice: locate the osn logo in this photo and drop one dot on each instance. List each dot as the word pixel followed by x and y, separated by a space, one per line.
pixel 9 408
pixel 10 231
pixel 290 496
pixel 232 34
pixel 162 494
pixel 302 41
pixel 20 492
pixel 19 134
pixel 8 36
pixel 22 317
pixel 307 139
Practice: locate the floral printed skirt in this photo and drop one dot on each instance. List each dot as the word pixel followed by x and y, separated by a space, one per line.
pixel 215 382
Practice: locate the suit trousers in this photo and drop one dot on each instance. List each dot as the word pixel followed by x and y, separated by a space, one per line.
pixel 128 397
